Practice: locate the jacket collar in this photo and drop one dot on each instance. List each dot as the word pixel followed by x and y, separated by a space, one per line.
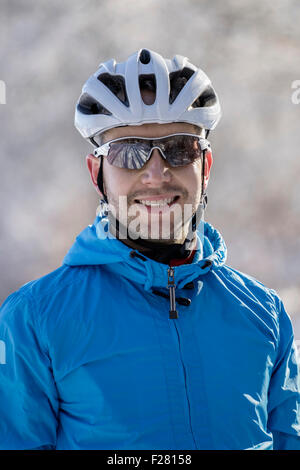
pixel 95 245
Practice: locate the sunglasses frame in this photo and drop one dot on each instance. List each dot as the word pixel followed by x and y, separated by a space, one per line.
pixel 103 149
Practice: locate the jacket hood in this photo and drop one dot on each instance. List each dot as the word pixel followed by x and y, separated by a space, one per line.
pixel 95 245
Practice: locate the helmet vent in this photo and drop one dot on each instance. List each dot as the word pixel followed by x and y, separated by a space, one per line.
pixel 88 105
pixel 177 82
pixel 206 99
pixel 145 56
pixel 116 84
pixel 147 83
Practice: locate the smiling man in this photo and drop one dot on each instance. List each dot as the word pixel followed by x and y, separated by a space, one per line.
pixel 144 338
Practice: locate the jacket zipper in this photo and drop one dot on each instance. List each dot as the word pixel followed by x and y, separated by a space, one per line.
pixel 173 314
pixel 185 385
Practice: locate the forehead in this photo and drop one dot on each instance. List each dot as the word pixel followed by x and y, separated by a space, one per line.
pixel 150 130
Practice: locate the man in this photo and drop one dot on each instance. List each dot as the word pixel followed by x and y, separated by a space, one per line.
pixel 144 338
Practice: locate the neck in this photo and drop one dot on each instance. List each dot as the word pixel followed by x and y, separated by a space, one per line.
pixel 158 250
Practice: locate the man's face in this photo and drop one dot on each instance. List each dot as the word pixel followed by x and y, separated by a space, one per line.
pixel 157 201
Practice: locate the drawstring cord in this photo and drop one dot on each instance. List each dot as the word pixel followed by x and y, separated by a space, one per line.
pixel 180 300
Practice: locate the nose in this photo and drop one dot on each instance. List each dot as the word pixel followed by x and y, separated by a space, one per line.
pixel 156 170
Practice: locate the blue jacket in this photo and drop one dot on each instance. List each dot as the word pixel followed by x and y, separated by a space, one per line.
pixel 91 360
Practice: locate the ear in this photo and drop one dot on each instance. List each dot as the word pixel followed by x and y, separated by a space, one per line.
pixel 93 164
pixel 207 167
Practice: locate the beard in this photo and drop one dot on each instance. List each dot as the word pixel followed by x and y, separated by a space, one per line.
pixel 171 224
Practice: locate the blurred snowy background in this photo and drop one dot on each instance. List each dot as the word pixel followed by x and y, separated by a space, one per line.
pixel 249 48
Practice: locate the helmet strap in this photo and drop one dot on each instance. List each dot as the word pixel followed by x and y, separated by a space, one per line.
pixel 198 216
pixel 100 182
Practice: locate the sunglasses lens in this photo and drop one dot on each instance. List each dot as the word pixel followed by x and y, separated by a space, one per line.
pixel 132 154
pixel 182 150
pixel 129 153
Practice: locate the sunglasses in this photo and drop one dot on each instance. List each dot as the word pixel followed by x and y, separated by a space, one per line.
pixel 133 153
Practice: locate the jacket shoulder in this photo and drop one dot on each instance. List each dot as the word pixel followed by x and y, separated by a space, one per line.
pixel 242 277
pixel 52 283
pixel 37 294
pixel 265 303
pixel 249 283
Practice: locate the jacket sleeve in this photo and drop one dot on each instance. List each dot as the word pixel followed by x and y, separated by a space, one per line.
pixel 284 390
pixel 28 396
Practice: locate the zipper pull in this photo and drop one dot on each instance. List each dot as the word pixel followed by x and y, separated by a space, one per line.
pixel 173 314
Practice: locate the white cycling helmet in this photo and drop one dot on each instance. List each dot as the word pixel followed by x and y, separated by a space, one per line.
pixel 111 97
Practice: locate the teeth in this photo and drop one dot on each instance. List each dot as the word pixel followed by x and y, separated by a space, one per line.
pixel 159 203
